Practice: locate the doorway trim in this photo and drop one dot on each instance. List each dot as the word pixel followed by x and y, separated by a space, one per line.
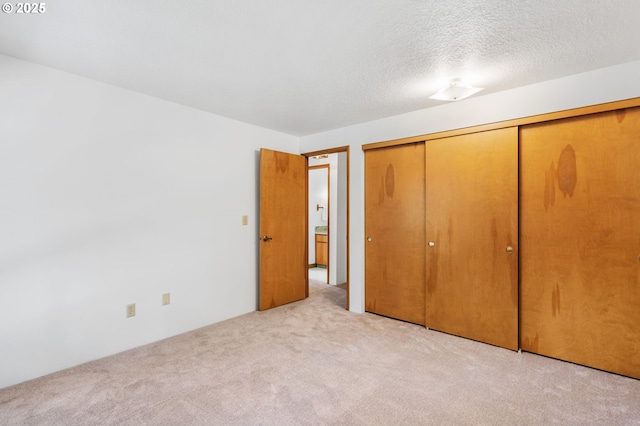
pixel 336 151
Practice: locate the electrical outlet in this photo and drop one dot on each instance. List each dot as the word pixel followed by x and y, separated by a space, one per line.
pixel 166 298
pixel 131 310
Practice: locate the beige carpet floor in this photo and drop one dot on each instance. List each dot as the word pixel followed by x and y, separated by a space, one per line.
pixel 313 362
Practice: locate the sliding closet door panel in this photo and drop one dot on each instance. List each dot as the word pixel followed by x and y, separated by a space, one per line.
pixel 580 248
pixel 472 229
pixel 394 232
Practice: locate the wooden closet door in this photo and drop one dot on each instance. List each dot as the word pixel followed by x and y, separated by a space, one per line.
pixel 394 232
pixel 580 240
pixel 472 229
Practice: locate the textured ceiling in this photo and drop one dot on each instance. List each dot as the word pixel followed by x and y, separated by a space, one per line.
pixel 301 66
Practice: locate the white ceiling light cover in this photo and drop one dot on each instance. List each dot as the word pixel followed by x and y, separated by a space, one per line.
pixel 455 92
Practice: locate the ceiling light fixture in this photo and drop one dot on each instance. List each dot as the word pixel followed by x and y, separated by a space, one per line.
pixel 455 91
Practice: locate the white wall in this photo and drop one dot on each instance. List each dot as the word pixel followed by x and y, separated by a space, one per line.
pixel 109 197
pixel 596 87
pixel 338 240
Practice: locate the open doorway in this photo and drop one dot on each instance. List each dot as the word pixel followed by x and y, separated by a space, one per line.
pixel 319 210
pixel 328 217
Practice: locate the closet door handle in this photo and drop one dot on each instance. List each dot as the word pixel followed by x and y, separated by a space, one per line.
pixel 368 239
pixel 509 249
pixel 266 238
pixel 432 243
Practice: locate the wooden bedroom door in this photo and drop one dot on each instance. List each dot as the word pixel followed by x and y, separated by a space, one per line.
pixel 472 234
pixel 580 240
pixel 283 228
pixel 394 232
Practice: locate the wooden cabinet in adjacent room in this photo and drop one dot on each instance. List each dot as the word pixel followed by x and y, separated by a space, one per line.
pixel 322 250
pixel 580 240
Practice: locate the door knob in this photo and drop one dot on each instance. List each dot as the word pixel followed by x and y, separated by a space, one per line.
pixel 509 249
pixel 266 238
pixel 432 243
pixel 369 239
